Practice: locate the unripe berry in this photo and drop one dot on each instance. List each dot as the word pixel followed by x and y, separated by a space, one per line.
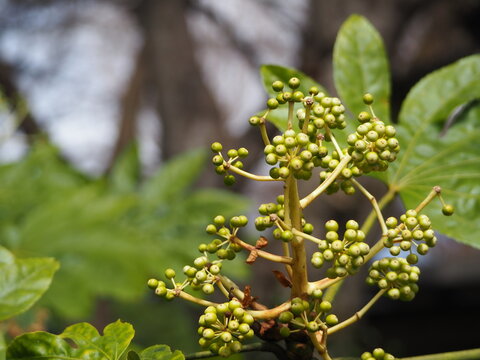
pixel 277 85
pixel 294 83
pixel 272 103
pixel 368 99
pixel 169 273
pixel 448 210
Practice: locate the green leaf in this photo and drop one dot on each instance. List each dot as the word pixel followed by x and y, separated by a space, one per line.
pixel 22 282
pixel 271 73
pixel 450 157
pixel 161 352
pixel 125 173
pixel 360 66
pixel 89 344
pixel 3 347
pixel 173 179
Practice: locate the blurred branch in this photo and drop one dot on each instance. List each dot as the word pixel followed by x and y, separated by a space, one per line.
pixel 130 105
pixel 28 124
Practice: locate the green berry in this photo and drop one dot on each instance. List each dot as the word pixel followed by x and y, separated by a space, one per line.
pixel 284 331
pixel 272 103
pixel 368 99
pixel 277 86
pixel 152 283
pixel 169 273
pixel 412 259
pixel 294 83
pixel 378 353
pixel 254 120
pixel 331 320
pixel 229 180
pixel 448 210
pixel 298 96
pixel 242 152
pixel 208 289
pixel 364 116
pixel 216 147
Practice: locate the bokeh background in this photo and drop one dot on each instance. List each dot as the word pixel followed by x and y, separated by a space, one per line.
pixel 90 87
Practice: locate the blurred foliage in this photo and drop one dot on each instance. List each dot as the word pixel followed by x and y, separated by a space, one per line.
pixel 109 234
pixel 22 282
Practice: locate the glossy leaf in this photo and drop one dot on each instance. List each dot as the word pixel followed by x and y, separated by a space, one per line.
pixel 89 344
pixel 161 352
pixel 271 73
pixel 22 282
pixel 360 66
pixel 435 153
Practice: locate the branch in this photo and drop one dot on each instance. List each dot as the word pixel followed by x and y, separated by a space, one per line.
pixel 263 254
pixel 325 184
pixel 248 175
pixel 376 208
pixel 358 315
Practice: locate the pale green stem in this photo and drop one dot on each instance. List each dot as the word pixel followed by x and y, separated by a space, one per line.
pixel 334 142
pixel 222 288
pixel 306 121
pixel 370 220
pixel 306 236
pixel 248 175
pixel 291 105
pixel 263 254
pixel 263 130
pixel 272 313
pixel 193 299
pixel 358 315
pixel 326 183
pixel 376 208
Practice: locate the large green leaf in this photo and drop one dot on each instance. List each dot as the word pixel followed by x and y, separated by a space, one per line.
pixel 360 65
pixel 271 73
pixel 22 282
pixel 158 352
pixel 435 154
pixel 89 344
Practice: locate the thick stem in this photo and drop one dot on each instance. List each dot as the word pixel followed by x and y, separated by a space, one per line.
pixel 293 219
pixel 263 130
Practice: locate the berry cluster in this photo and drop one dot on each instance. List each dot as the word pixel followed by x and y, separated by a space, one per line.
pixel 396 276
pixel 296 153
pixel 307 315
pixel 377 354
pixel 224 248
pixel 330 163
pixel 224 327
pixel 413 229
pixel 373 145
pixel 346 255
pixel 222 165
